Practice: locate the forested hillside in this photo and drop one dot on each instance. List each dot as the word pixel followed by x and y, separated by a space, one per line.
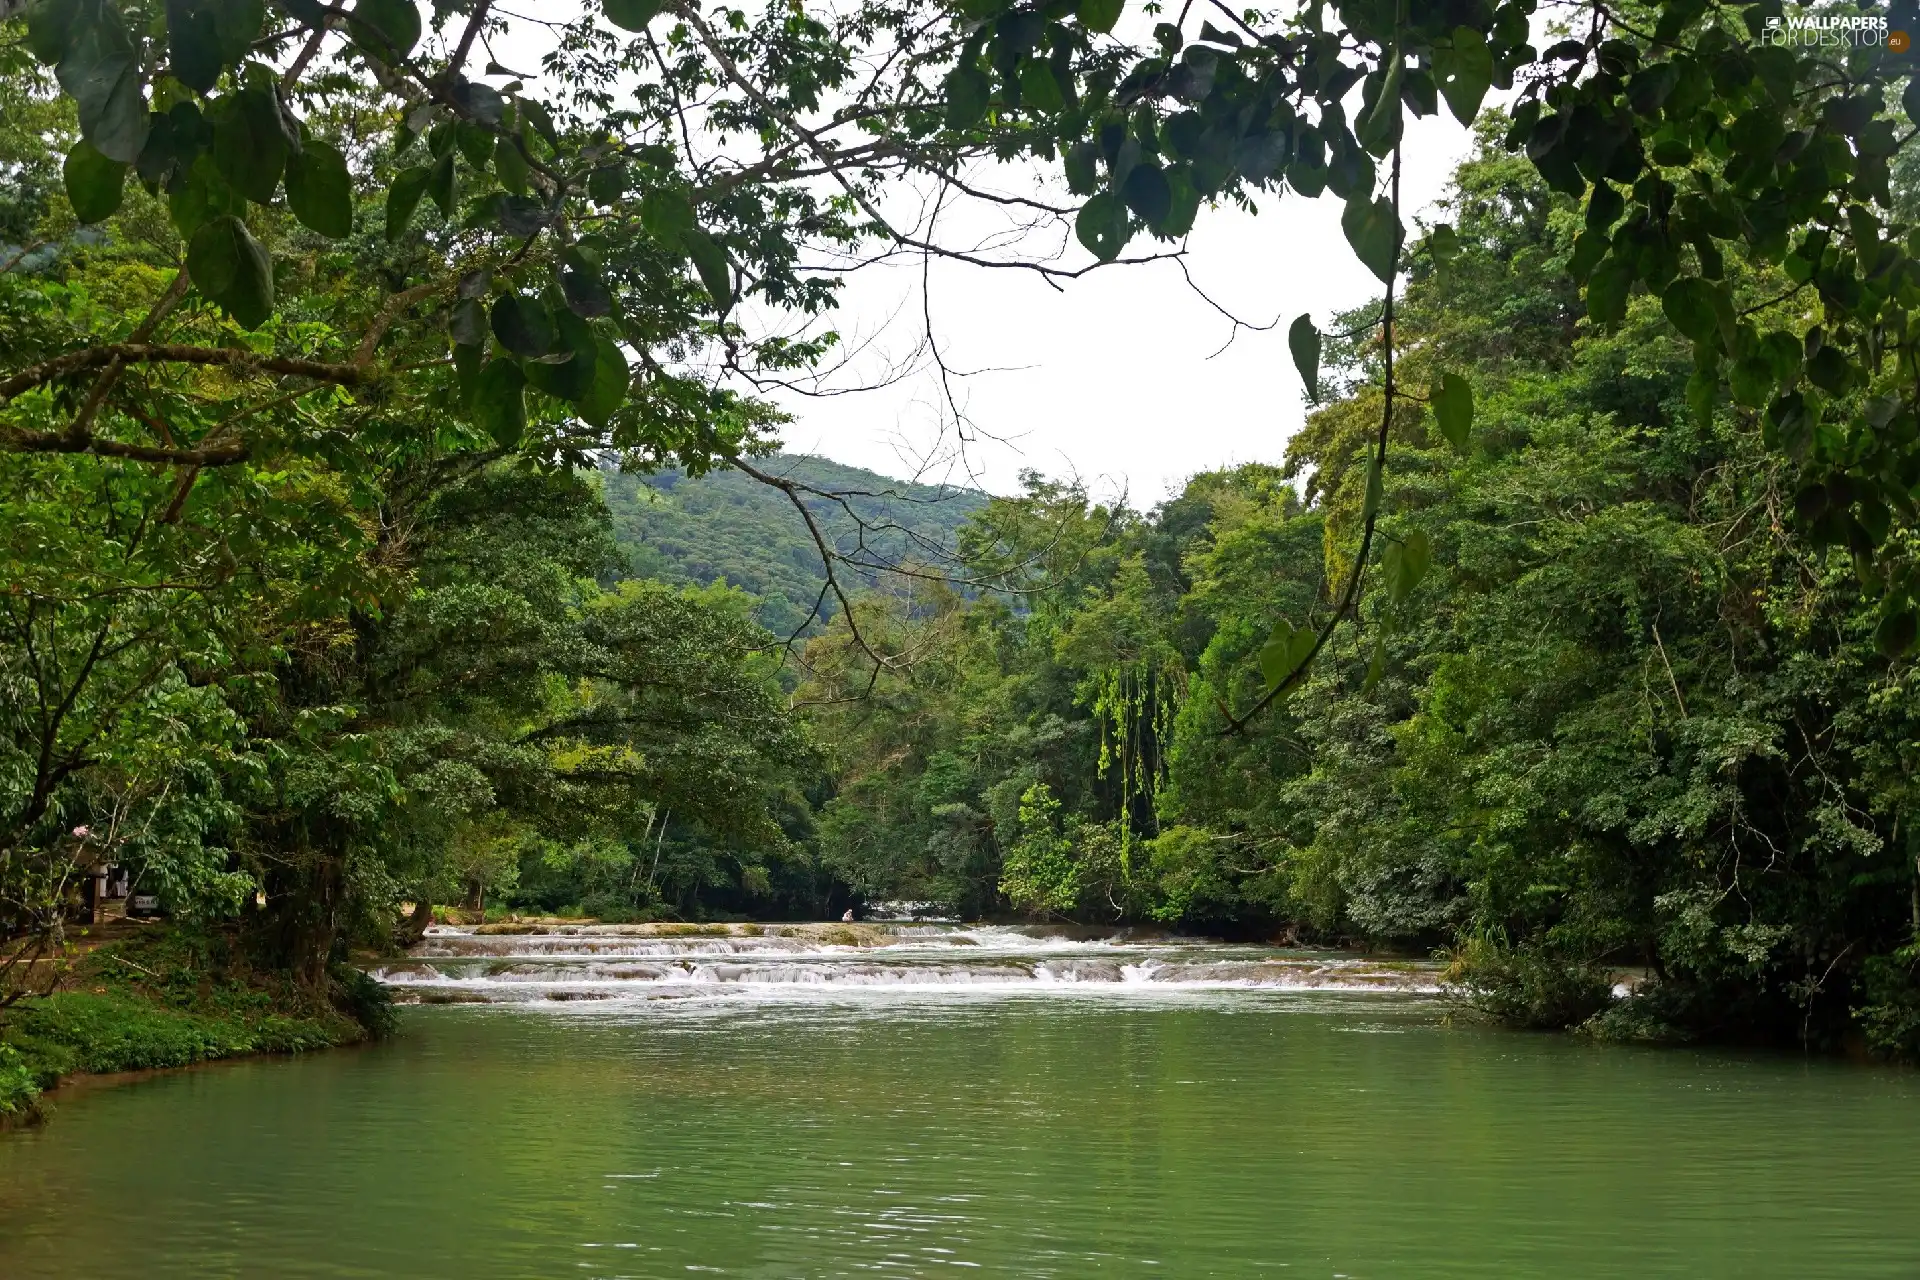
pixel 1631 715
pixel 726 526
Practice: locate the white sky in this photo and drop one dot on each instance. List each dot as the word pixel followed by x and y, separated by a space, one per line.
pixel 1118 377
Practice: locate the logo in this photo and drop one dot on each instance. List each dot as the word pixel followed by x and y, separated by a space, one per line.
pixel 1858 31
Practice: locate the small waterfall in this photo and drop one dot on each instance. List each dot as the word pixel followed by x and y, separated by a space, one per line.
pixel 522 963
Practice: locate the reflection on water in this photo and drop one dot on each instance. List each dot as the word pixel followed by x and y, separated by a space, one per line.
pixel 1179 1132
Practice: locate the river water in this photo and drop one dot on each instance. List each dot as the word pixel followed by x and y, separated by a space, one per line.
pixel 615 1104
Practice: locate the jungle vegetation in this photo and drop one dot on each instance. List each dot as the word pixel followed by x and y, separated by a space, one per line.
pixel 1572 634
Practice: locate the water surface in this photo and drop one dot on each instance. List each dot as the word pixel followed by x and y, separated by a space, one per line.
pixel 1018 1127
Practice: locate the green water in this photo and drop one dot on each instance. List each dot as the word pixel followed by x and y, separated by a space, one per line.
pixel 1237 1134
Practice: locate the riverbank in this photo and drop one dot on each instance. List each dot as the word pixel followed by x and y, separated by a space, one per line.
pixel 168 997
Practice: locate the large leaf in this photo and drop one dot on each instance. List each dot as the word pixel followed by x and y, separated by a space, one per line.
pixel 586 293
pixel 201 194
pixel 1465 71
pixel 1374 232
pixel 467 324
pixel 1304 341
pixel 320 191
pixel 388 29
pixel 632 15
pixel 1699 309
pixel 571 378
pixel 500 402
pixel 1099 15
pixel 716 273
pixel 510 163
pixel 228 265
pixel 1380 120
pixel 968 92
pixel 607 183
pixel 610 377
pixel 1284 651
pixel 404 197
pixel 249 144
pixel 1607 291
pixel 100 70
pixel 204 37
pixel 523 326
pixel 667 215
pixel 1451 399
pixel 1102 226
pixel 1404 563
pixel 440 188
pixel 94 183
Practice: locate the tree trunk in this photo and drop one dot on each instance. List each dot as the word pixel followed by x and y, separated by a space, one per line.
pixel 414 927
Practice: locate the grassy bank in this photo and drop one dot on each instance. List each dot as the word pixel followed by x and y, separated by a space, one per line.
pixel 170 998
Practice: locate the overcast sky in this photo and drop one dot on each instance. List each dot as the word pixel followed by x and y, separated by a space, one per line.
pixel 1119 377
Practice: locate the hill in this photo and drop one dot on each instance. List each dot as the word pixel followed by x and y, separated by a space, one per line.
pixel 727 525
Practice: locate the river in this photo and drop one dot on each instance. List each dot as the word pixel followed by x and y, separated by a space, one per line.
pixel 611 1104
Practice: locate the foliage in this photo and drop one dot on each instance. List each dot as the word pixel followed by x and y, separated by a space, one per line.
pixel 724 526
pixel 1630 717
pixel 170 999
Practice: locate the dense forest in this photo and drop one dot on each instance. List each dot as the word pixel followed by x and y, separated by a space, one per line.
pixel 1630 718
pixel 1574 625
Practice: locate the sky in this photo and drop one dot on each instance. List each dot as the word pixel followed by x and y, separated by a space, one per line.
pixel 1125 378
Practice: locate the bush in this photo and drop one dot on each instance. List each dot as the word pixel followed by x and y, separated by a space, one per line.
pixel 1889 1013
pixel 18 1089
pixel 1527 988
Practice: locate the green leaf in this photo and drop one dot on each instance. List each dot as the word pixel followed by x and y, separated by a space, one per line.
pixel 716 272
pixel 1465 71
pixel 320 191
pixel 1380 120
pixel 467 324
pixel 404 197
pixel 1377 663
pixel 607 184
pixel 510 163
pixel 467 359
pixel 1443 246
pixel 1284 652
pixel 523 326
pixel 1699 309
pixel 228 266
pixel 632 15
pixel 204 37
pixel 201 194
pixel 570 378
pixel 667 215
pixel 100 70
pixel 440 183
pixel 1148 193
pixel 1304 341
pixel 1099 15
pixel 1607 291
pixel 1102 226
pixel 1374 232
pixel 1451 399
pixel 500 402
pixel 1404 564
pixel 387 29
pixel 610 378
pixel 968 93
pixel 50 27
pixel 1702 387
pixel 248 143
pixel 95 184
pixel 1374 490
pixel 586 293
